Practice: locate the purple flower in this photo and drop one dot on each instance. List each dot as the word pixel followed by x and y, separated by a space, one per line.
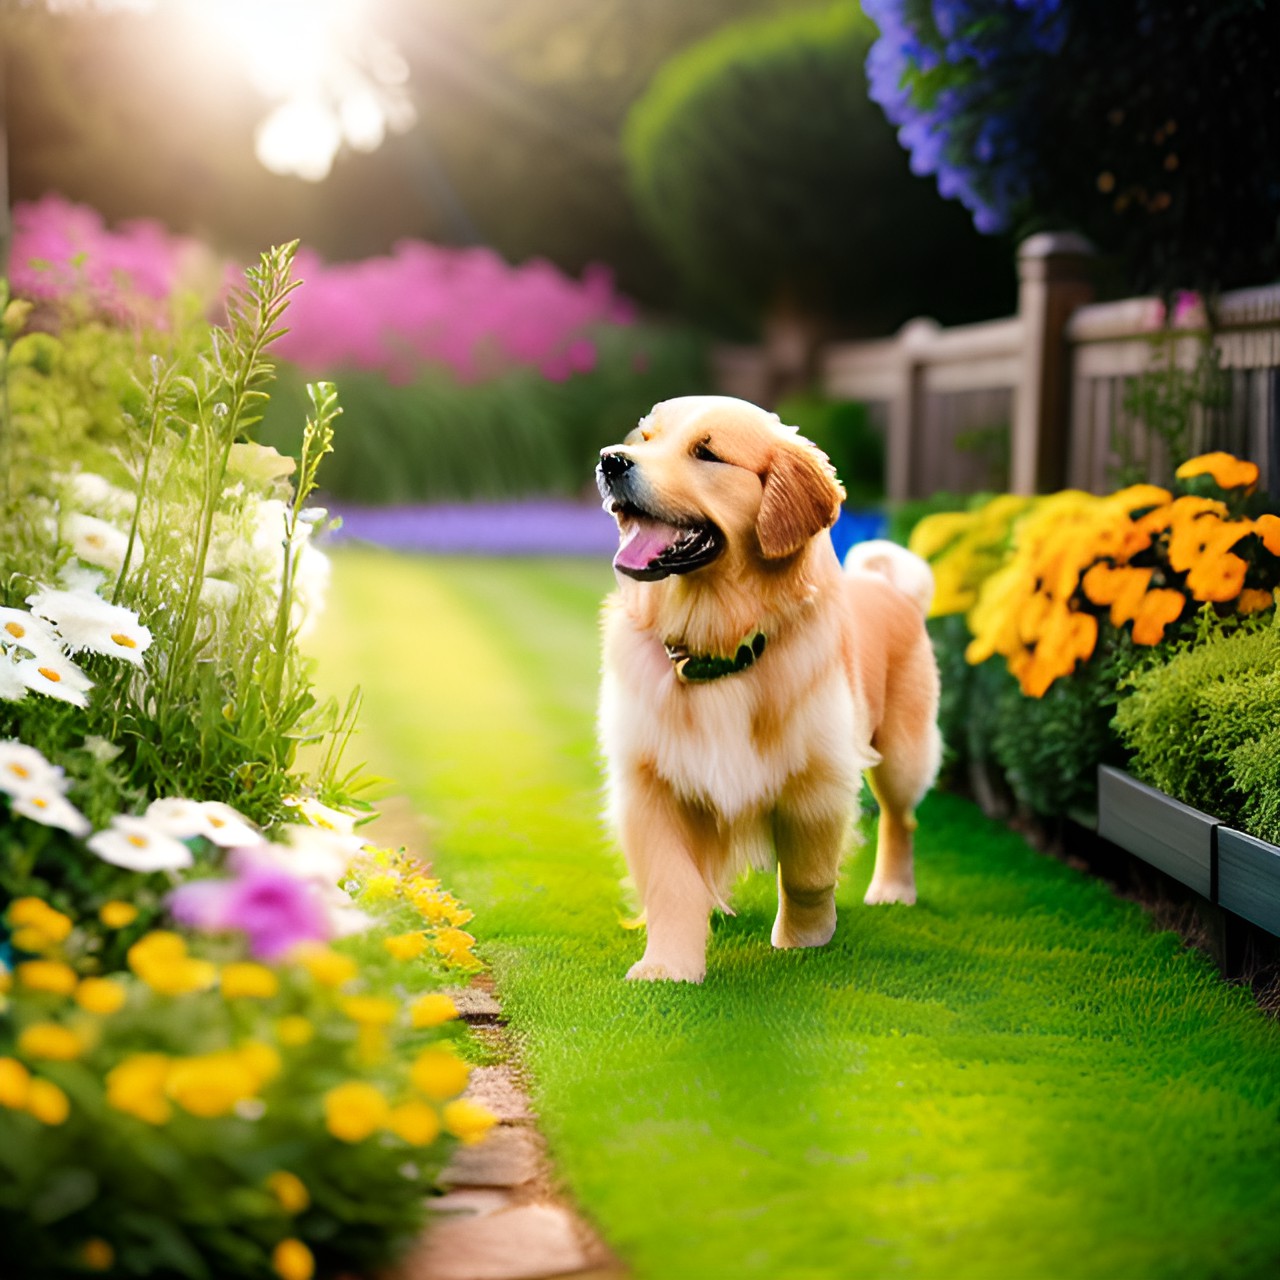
pixel 274 910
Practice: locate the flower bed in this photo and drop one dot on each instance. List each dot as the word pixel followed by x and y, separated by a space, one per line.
pixel 1063 624
pixel 224 1047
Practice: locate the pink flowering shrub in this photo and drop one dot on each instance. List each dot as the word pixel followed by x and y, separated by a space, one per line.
pixel 63 250
pixel 463 309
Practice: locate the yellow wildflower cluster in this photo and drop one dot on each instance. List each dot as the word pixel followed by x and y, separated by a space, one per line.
pixel 356 1110
pixel 1141 557
pixel 208 1085
pixel 964 548
pixel 21 1091
pixel 37 927
pixel 160 959
pixel 395 877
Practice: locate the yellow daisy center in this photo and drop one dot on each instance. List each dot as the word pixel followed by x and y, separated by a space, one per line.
pixel 50 674
pixel 124 641
pixel 15 629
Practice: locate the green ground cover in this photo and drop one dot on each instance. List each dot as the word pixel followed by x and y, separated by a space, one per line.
pixel 1018 1077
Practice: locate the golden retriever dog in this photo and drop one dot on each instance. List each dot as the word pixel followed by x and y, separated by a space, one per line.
pixel 748 680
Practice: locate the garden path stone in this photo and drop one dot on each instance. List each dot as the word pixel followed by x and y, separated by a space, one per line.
pixel 498 1089
pixel 525 1242
pixel 511 1156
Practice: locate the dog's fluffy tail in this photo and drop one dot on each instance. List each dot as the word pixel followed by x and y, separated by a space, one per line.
pixel 904 569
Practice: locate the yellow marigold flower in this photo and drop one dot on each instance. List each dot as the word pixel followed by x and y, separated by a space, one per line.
pixel 1121 587
pixel 1254 601
pixel 50 1040
pixel 468 1120
pixel 155 950
pixel 328 968
pixel 97 1255
pixel 1224 469
pixel 15 1084
pixel 371 1044
pixel 439 1073
pixel 1157 610
pixel 354 1110
pixel 292 1260
pixel 47 1102
pixel 246 979
pixel 37 914
pixel 936 534
pixel 51 976
pixel 289 1190
pixel 136 1086
pixel 1139 497
pixel 211 1084
pixel 262 1061
pixel 380 887
pixel 6 979
pixel 406 946
pixel 432 1010
pixel 294 1030
pixel 116 914
pixel 101 995
pixel 415 1122
pixel 375 1010
pixel 454 946
pixel 29 938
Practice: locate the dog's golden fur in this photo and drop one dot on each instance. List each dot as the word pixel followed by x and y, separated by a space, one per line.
pixel 707 778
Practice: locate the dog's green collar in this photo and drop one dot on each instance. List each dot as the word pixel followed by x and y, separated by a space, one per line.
pixel 697 668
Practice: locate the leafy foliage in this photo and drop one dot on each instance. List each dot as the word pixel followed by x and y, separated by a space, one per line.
pixel 770 180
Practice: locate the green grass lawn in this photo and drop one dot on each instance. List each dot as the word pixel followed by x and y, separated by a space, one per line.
pixel 1016 1078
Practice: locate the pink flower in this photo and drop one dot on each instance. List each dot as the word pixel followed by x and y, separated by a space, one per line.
pixel 274 909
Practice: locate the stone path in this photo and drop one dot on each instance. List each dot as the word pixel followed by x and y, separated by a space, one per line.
pixel 502 1215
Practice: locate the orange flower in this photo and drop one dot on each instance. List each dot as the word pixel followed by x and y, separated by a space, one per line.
pixel 1065 638
pixel 1158 608
pixel 1224 469
pixel 1217 577
pixel 1122 588
pixel 1268 529
pixel 1253 601
pixel 1197 524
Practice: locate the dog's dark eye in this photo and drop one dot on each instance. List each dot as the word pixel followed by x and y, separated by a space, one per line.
pixel 702 450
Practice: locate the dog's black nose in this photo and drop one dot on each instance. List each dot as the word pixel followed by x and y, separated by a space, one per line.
pixel 615 464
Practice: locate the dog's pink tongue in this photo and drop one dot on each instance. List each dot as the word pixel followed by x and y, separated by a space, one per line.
pixel 644 542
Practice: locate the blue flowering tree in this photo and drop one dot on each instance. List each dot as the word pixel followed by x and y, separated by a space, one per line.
pixel 1154 127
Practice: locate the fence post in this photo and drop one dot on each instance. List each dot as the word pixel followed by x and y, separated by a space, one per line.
pixel 1054 278
pixel 914 339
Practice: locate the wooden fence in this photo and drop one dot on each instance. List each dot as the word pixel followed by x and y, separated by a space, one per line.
pixel 1067 392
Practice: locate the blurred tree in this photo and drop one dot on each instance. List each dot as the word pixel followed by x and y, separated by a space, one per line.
pixel 1153 126
pixel 774 184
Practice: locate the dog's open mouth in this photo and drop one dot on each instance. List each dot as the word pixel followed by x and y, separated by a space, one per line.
pixel 652 548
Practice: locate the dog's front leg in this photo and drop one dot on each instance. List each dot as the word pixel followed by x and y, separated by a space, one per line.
pixel 809 847
pixel 660 835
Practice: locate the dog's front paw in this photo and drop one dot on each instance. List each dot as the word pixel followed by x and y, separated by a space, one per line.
pixel 656 971
pixel 890 891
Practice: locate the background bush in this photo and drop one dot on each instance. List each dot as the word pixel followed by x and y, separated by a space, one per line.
pixel 769 178
pixel 516 435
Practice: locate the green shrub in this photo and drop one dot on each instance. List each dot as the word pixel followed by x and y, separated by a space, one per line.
pixel 770 179
pixel 517 435
pixel 1202 727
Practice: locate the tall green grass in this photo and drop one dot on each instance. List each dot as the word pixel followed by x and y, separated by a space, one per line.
pixel 1017 1077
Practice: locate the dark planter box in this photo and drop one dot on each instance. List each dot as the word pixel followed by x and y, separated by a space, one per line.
pixel 1158 829
pixel 1249 878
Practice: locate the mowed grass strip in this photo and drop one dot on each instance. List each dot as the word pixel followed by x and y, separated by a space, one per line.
pixel 1015 1078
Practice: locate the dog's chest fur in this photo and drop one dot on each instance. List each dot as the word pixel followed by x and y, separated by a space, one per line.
pixel 733 745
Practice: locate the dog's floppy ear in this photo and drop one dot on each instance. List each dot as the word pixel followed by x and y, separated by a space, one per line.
pixel 801 498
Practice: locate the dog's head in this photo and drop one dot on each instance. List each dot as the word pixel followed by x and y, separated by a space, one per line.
pixel 705 475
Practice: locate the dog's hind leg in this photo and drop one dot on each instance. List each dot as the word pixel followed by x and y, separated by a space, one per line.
pixel 661 837
pixel 910 749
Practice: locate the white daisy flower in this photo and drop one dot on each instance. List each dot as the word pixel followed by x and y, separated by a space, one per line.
pixel 97 495
pixel 220 823
pixel 50 807
pixel 321 857
pixel 98 542
pixel 23 769
pixel 324 816
pixel 133 843
pixel 12 686
pixel 86 622
pixel 55 677
pixel 26 631
pixel 80 579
